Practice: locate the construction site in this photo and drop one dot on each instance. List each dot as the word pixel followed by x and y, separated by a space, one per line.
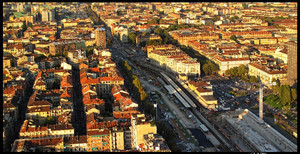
pixel 249 132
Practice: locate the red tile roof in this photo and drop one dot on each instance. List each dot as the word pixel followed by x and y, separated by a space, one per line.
pixel 105 124
pixel 66 94
pixel 8 105
pixel 96 69
pixel 38 109
pixel 91 81
pixel 9 90
pixel 97 132
pixel 44 142
pixel 39 103
pixel 93 101
pixel 66 81
pixel 83 65
pixel 124 114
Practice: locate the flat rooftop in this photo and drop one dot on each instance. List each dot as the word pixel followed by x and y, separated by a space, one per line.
pixel 261 135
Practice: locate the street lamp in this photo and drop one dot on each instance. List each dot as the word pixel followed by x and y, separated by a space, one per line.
pixel 155 106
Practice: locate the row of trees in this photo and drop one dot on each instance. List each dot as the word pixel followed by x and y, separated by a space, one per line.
pixel 155 21
pixel 163 33
pixel 231 19
pixel 285 93
pixel 132 37
pixel 137 89
pixel 208 67
pixel 237 71
pixel 242 73
pixel 93 15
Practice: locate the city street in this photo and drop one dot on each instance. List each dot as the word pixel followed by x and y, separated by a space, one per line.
pixel 78 107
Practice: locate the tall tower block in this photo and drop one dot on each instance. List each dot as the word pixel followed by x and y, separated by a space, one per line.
pixel 100 37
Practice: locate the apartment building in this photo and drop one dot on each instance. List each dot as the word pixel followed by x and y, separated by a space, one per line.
pixel 99 140
pixel 174 60
pixel 100 37
pixel 227 63
pixel 140 127
pixel 204 93
pixel 265 73
pixel 292 62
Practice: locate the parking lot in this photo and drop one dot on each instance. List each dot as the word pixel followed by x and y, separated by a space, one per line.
pixel 226 101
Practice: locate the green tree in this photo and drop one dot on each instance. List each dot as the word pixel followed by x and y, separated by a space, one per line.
pixel 214 19
pixel 108 42
pixel 89 51
pixel 253 79
pixel 154 42
pixel 160 21
pixel 143 43
pixel 128 68
pixel 233 18
pixel 206 69
pixel 245 77
pixel 132 37
pixel 245 6
pixel 275 88
pixel 209 68
pixel 119 13
pixel 232 71
pixel 233 37
pixel 50 121
pixel 153 21
pixel 143 95
pixel 228 72
pixel 285 94
pixel 65 53
pixel 286 109
pixel 214 67
pixel 294 94
pixel 159 31
pixel 242 70
pixel 24 27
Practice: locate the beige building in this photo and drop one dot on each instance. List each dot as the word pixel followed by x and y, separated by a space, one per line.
pixel 6 62
pixel 61 130
pixel 43 144
pixel 204 93
pixel 118 140
pixel 99 140
pixel 173 59
pixel 266 74
pixel 281 55
pixel 155 143
pixel 15 24
pixel 75 144
pixel 140 128
pixel 227 63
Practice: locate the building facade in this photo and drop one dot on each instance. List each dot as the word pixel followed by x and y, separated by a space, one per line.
pixel 292 63
pixel 266 74
pixel 100 37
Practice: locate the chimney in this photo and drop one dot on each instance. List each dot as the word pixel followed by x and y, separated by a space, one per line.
pixel 261 103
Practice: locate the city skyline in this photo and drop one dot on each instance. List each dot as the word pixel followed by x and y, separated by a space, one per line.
pixel 150 76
